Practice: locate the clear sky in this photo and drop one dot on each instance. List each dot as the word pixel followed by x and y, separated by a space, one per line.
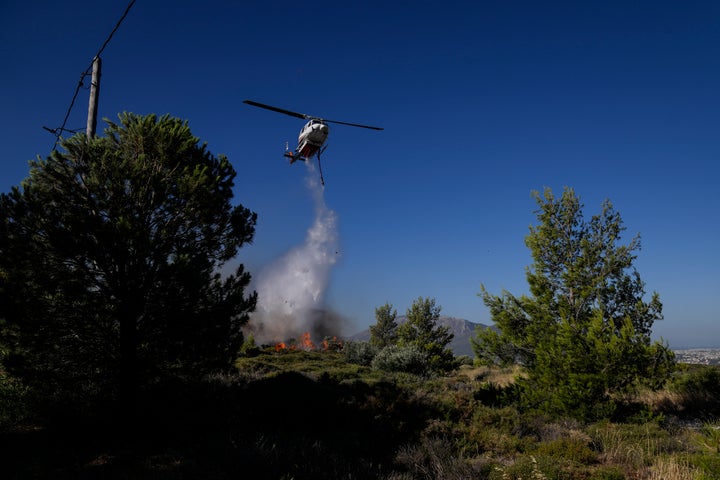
pixel 482 103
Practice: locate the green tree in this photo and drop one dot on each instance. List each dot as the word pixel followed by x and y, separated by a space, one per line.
pixel 384 332
pixel 109 259
pixel 583 333
pixel 422 331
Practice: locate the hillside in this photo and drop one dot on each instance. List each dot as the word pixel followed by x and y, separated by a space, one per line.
pixel 461 328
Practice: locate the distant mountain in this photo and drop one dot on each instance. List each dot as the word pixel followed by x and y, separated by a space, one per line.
pixel 462 330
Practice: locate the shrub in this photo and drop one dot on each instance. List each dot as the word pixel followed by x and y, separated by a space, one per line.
pixel 14 401
pixel 526 467
pixel 408 359
pixel 670 468
pixel 699 390
pixel 360 353
pixel 495 395
pixel 249 348
pixel 709 465
pixel 464 360
pixel 709 436
pixel 572 449
pixel 498 431
pixel 632 445
pixel 431 459
pixel 608 473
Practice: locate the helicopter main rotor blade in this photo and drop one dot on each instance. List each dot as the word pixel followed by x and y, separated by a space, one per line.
pixel 279 110
pixel 306 117
pixel 354 124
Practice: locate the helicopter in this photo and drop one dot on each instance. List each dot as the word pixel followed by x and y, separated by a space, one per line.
pixel 312 137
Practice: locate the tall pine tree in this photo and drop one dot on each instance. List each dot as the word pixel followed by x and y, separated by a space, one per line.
pixel 109 260
pixel 384 332
pixel 421 330
pixel 583 333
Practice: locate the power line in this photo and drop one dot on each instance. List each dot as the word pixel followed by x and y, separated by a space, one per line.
pixel 127 10
pixel 88 71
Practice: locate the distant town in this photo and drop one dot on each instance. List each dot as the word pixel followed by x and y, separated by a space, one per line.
pixel 703 356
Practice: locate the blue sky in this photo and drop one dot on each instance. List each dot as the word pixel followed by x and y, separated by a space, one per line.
pixel 482 102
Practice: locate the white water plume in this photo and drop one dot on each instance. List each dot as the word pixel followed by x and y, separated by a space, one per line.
pixel 291 288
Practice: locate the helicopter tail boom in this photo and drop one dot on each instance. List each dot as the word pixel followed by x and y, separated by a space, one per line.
pixel 293 157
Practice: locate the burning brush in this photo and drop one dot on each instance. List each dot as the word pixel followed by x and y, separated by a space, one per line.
pixel 305 343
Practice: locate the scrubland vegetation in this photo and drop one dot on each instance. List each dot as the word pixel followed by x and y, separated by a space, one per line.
pixel 122 353
pixel 315 415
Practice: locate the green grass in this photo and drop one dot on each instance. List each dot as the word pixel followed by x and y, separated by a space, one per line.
pixel 316 364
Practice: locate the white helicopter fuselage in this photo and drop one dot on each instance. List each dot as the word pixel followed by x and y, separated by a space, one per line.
pixel 312 137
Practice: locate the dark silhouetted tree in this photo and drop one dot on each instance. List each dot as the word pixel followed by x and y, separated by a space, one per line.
pixel 583 334
pixel 384 332
pixel 110 253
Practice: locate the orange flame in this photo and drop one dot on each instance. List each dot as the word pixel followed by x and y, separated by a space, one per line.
pixel 332 344
pixel 306 343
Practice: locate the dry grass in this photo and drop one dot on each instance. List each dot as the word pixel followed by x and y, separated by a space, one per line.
pixel 671 468
pixel 433 459
pixel 565 429
pixel 497 376
pixel 632 446
pixel 660 400
pixel 710 436
pixel 530 472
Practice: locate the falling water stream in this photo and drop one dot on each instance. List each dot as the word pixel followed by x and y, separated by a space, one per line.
pixel 291 288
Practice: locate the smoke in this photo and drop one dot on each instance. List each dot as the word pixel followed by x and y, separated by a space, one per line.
pixel 291 288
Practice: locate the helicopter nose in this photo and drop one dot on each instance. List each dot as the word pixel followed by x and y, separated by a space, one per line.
pixel 321 129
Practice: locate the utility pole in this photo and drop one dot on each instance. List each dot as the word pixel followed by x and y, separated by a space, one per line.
pixel 94 94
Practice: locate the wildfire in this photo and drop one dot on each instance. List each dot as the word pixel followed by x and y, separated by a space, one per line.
pixel 305 343
pixel 332 344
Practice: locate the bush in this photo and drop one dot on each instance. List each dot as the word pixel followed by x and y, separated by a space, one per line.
pixel 431 459
pixel 699 390
pixel 360 353
pixel 608 473
pixel 249 348
pixel 572 449
pixel 527 467
pixel 14 402
pixel 630 445
pixel 495 395
pixel 708 464
pixel 409 359
pixel 464 360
